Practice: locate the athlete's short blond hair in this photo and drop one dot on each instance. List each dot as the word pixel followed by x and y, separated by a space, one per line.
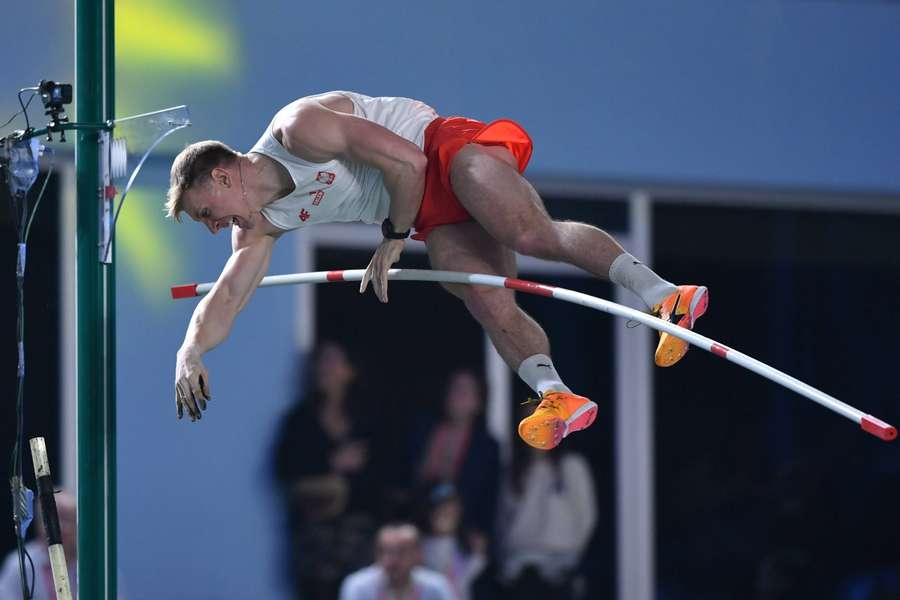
pixel 194 164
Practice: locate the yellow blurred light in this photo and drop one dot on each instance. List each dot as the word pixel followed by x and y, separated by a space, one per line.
pixel 165 34
pixel 144 247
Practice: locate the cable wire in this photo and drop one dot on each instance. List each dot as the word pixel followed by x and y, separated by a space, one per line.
pixel 24 111
pixel 22 222
pixel 19 112
pixel 37 203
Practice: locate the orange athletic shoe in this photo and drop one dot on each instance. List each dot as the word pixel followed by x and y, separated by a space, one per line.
pixel 683 307
pixel 558 415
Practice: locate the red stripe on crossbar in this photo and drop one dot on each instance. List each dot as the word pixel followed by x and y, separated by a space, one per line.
pixel 335 276
pixel 878 428
pixel 719 350
pixel 184 291
pixel 529 287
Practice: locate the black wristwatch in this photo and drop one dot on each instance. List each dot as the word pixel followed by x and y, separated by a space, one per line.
pixel 387 230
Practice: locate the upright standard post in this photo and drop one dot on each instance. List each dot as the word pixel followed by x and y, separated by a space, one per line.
pixel 109 67
pixel 94 26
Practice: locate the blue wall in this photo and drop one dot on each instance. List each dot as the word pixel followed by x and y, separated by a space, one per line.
pixel 800 93
pixel 785 93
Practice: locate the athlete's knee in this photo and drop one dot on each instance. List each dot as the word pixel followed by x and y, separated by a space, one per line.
pixel 541 240
pixel 488 303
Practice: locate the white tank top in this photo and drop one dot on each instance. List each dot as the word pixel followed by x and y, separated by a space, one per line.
pixel 340 190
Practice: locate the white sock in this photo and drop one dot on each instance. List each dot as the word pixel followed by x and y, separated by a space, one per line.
pixel 540 374
pixel 634 275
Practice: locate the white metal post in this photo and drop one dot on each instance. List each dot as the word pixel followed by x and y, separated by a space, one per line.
pixel 635 556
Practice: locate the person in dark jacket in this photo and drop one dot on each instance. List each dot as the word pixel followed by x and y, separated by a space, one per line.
pixel 458 449
pixel 323 468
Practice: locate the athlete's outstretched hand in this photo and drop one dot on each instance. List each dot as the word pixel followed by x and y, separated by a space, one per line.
pixel 191 384
pixel 377 272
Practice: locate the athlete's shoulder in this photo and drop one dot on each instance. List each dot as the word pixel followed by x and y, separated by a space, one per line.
pixel 308 106
pixel 313 128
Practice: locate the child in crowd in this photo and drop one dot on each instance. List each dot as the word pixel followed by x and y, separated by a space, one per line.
pixel 444 549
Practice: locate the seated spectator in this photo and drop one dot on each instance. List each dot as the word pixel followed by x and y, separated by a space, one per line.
pixel 547 515
pixel 321 463
pixel 444 550
pixel 458 449
pixel 10 583
pixel 395 575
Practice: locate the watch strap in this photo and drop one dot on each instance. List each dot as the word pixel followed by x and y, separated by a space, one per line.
pixel 388 231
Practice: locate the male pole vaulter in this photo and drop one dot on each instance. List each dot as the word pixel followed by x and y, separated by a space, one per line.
pixel 343 156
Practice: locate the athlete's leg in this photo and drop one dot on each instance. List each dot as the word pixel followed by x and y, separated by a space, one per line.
pixel 488 185
pixel 467 247
pixel 492 190
pixel 518 338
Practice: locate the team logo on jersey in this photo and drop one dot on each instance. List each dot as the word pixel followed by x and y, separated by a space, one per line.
pixel 325 177
pixel 317 196
pixel 304 215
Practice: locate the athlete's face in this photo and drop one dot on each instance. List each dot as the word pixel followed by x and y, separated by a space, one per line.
pixel 219 202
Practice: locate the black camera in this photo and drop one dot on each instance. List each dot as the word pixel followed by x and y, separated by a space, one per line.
pixel 55 96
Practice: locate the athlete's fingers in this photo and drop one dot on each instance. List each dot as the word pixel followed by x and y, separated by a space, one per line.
pixel 365 282
pixel 376 280
pixel 372 273
pixel 197 400
pixel 179 407
pixel 197 395
pixel 183 399
pixel 204 385
pixel 179 399
pixel 189 402
pixel 384 282
pixel 366 276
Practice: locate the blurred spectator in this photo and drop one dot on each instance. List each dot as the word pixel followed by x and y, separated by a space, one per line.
pixel 395 575
pixel 321 463
pixel 10 586
pixel 458 449
pixel 547 515
pixel 444 549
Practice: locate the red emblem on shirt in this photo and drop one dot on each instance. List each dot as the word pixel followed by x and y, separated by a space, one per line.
pixel 325 177
pixel 317 196
pixel 304 215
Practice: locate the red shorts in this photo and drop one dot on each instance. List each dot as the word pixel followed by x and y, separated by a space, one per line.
pixel 443 139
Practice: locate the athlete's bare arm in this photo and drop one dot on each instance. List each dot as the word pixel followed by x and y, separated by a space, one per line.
pixel 215 314
pixel 318 131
